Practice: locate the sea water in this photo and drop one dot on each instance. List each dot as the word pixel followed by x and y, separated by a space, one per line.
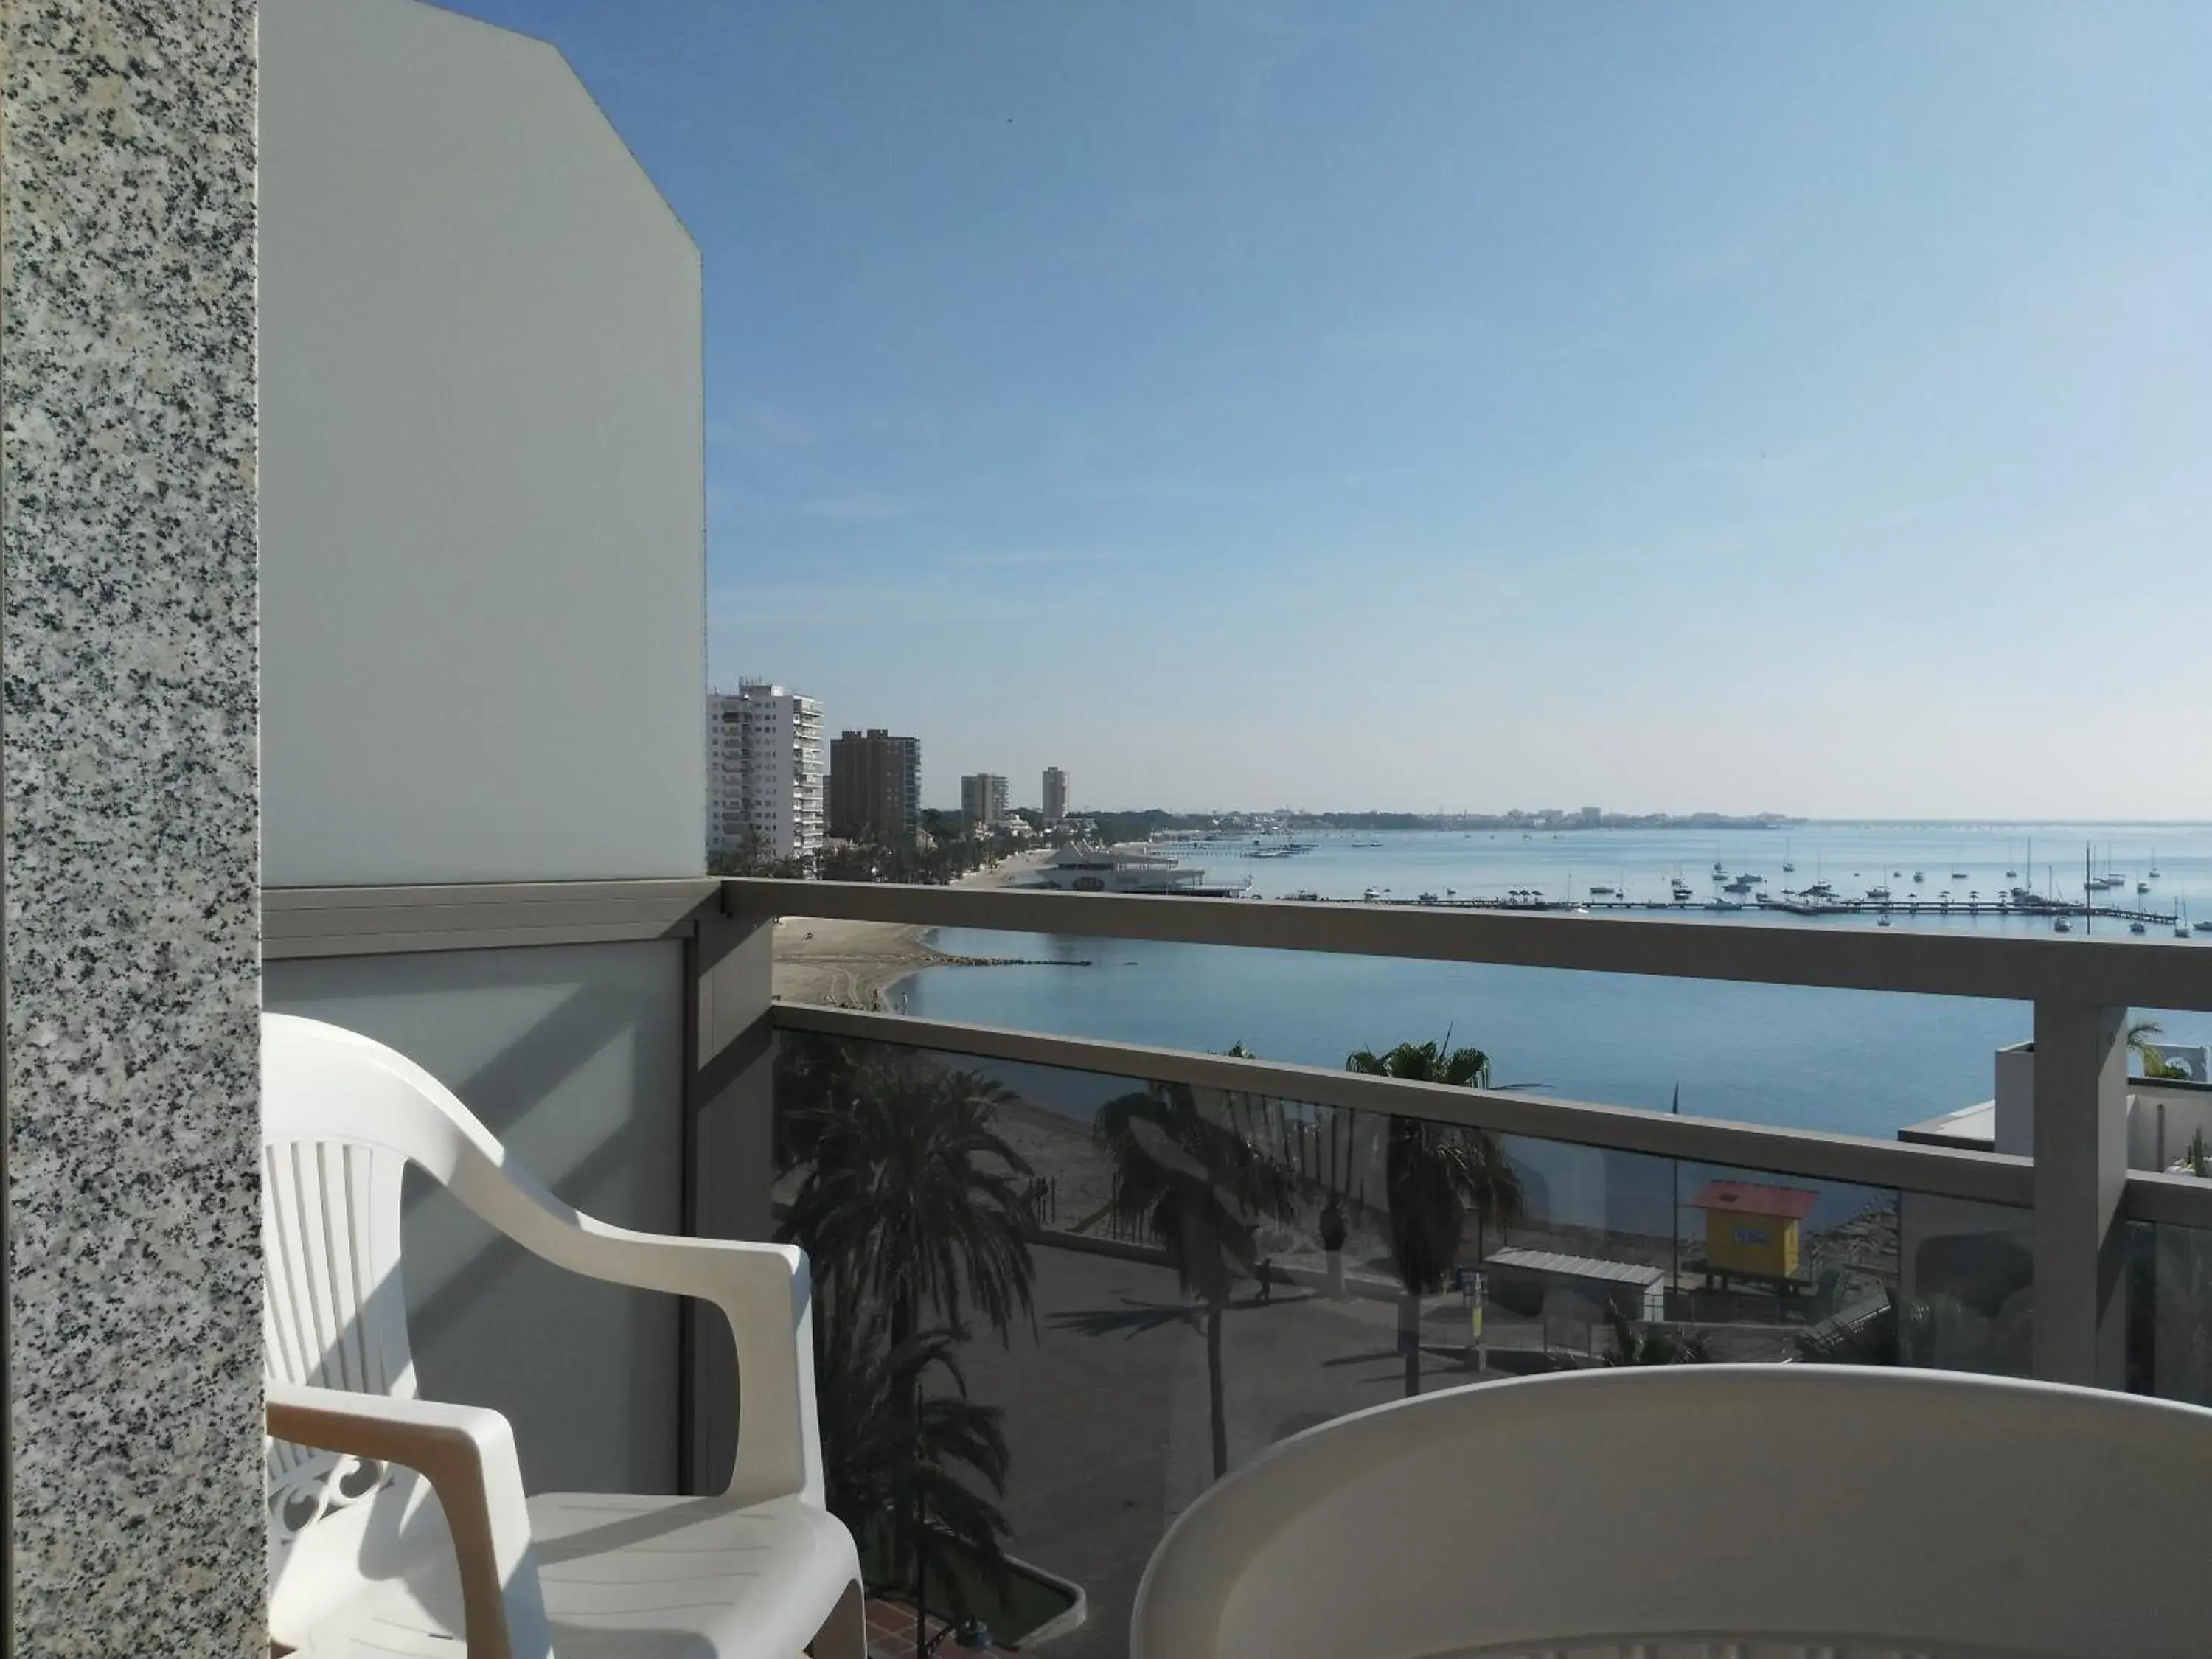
pixel 1858 1062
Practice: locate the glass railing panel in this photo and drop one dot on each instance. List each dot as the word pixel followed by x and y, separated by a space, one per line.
pixel 1857 1062
pixel 1207 1271
pixel 2170 1311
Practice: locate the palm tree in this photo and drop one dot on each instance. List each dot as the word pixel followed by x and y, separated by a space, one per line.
pixel 2140 1038
pixel 912 1205
pixel 1197 1187
pixel 891 1473
pixel 912 1199
pixel 1433 1174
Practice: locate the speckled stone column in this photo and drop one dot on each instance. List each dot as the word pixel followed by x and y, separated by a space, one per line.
pixel 127 646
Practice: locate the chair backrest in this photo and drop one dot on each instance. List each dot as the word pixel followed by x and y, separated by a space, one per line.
pixel 1880 1511
pixel 342 1115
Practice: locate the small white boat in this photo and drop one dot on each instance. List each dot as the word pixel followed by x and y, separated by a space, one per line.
pixel 2135 927
pixel 2062 926
pixel 1371 895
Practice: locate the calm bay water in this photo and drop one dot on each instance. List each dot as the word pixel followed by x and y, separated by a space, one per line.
pixel 1861 1062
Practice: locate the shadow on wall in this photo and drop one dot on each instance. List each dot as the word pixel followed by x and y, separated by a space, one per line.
pixel 573 1056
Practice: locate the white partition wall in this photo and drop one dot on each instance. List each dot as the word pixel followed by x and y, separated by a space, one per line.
pixel 483 561
pixel 482 603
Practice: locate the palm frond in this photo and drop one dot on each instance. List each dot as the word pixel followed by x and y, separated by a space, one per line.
pixel 911 1198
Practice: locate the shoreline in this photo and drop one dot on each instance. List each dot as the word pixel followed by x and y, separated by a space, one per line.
pixel 857 964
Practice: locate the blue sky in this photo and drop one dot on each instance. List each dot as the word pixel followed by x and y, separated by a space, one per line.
pixel 1449 404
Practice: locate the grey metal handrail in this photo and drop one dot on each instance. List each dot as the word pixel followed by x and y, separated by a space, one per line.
pixel 2123 973
pixel 1811 1154
pixel 1947 1171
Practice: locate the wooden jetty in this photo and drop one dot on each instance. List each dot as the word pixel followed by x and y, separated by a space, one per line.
pixel 1796 904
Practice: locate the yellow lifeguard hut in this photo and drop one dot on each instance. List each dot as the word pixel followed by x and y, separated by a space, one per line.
pixel 1751 1231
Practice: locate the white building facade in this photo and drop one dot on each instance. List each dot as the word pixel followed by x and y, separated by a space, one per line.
pixel 764 767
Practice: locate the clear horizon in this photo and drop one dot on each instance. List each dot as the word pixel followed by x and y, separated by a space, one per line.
pixel 1453 407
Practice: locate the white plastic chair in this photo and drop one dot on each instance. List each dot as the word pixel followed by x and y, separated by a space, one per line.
pixel 362 1560
pixel 1690 1512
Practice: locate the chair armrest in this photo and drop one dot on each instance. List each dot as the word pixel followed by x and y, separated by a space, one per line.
pixel 467 1455
pixel 764 1291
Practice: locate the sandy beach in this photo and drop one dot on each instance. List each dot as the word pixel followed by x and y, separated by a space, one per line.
pixel 853 965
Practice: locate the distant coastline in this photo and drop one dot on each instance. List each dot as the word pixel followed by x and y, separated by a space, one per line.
pixel 1137 823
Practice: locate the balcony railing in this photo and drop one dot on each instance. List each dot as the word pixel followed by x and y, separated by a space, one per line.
pixel 2078 1194
pixel 2078 1191
pixel 2068 1265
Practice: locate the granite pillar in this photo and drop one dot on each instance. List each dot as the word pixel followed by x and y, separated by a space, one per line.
pixel 127 557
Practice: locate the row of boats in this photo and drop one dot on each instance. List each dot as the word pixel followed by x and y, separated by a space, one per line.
pixel 1154 869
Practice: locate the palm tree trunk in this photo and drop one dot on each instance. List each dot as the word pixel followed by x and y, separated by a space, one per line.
pixel 1218 1408
pixel 902 1323
pixel 1409 1337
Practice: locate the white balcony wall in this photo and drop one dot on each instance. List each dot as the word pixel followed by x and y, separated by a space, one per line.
pixel 482 510
pixel 573 1055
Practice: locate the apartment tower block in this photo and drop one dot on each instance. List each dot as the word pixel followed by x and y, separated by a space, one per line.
pixel 983 800
pixel 875 787
pixel 764 772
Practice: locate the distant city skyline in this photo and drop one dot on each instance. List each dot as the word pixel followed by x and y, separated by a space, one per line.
pixel 1718 408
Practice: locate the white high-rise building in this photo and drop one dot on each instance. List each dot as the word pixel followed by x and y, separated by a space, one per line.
pixel 764 764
